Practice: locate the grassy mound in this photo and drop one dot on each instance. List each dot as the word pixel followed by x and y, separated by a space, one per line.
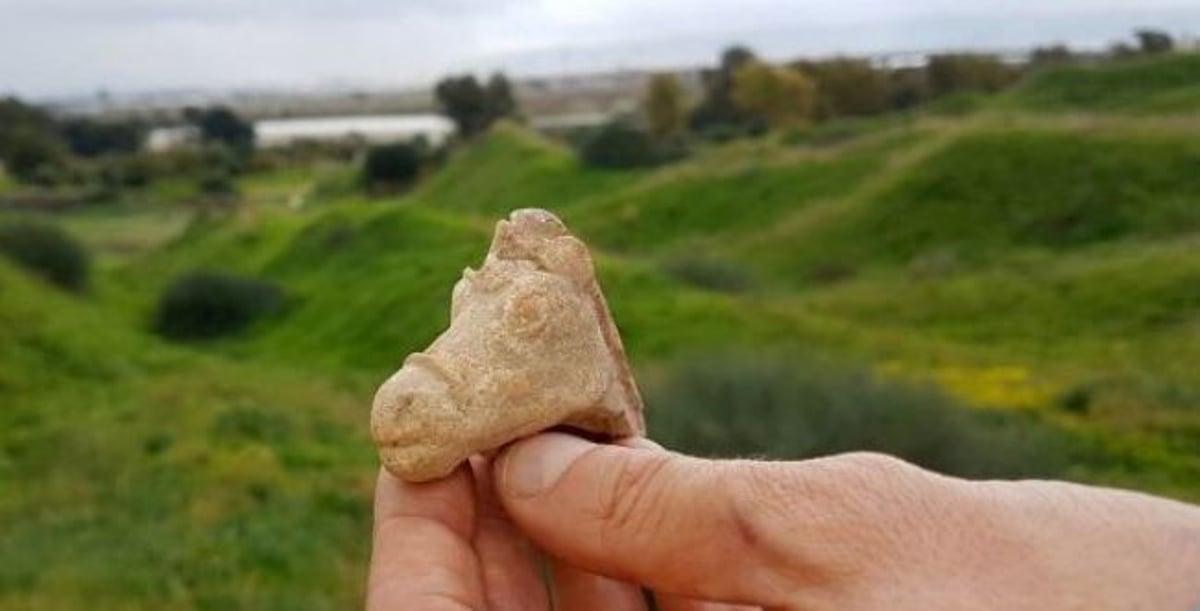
pixel 512 168
pixel 1160 84
pixel 133 475
pixel 991 192
pixel 714 197
pixel 365 287
pixel 47 336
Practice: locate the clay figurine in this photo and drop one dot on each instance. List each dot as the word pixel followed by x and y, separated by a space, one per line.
pixel 531 346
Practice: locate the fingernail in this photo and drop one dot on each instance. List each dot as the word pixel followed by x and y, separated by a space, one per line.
pixel 536 464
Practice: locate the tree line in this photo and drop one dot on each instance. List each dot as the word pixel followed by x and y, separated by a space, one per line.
pixel 744 95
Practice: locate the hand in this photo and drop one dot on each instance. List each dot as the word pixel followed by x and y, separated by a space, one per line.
pixel 856 531
pixel 448 545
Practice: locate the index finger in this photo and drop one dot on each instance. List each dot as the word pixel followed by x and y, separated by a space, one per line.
pixel 422 556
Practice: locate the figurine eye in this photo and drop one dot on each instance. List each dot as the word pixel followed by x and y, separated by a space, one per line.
pixel 527 313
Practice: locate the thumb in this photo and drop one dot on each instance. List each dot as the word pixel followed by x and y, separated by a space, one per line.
pixel 717 530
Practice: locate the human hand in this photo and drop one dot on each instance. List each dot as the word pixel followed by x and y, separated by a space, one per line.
pixel 851 531
pixel 448 545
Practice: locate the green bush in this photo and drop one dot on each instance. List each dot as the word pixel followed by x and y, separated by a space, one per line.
pixel 710 274
pixel 848 87
pixel 617 145
pixel 748 406
pixel 394 165
pixel 203 305
pixel 47 251
pixel 969 72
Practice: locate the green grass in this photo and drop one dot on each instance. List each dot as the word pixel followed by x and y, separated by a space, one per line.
pixel 511 168
pixel 135 475
pixel 1160 84
pixel 120 232
pixel 991 191
pixel 712 199
pixel 7 183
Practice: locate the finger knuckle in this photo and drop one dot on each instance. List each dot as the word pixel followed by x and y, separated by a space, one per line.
pixel 873 464
pixel 633 504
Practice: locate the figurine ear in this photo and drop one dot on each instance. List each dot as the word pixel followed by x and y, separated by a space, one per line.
pixel 567 256
pixel 505 244
pixel 459 294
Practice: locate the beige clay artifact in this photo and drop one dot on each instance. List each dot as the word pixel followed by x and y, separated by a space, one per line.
pixel 531 346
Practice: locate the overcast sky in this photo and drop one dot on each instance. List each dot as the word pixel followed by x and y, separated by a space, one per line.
pixel 60 47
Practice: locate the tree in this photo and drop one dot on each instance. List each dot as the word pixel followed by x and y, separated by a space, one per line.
pixel 617 145
pixel 662 104
pixel 1050 56
pixel 500 100
pixel 848 87
pixel 465 101
pixel 1154 42
pixel 392 164
pixel 473 107
pixel 718 109
pixel 32 157
pixel 46 250
pixel 30 147
pixel 92 138
pixel 968 72
pixel 1122 50
pixel 908 87
pixel 221 125
pixel 782 95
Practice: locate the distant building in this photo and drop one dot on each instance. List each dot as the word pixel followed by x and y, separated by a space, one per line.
pixel 167 138
pixel 434 129
pixel 269 133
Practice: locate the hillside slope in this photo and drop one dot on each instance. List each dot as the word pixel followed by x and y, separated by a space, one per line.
pixel 1170 83
pixel 990 192
pixel 138 476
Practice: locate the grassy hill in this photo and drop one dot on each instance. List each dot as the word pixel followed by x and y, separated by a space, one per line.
pixel 991 191
pixel 138 475
pixel 993 294
pixel 1169 83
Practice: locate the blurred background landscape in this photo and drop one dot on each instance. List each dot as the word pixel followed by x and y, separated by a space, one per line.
pixel 967 237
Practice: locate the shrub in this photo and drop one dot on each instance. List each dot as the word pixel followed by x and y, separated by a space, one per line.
pixel 710 274
pixel 908 87
pixel 474 106
pixel 1154 42
pixel 848 87
pixel 33 158
pixel 745 405
pixel 617 145
pixel 47 251
pixel 203 305
pixel 717 112
pixel 118 171
pixel 93 138
pixel 221 125
pixel 966 72
pixel 393 165
pixel 782 96
pixel 663 106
